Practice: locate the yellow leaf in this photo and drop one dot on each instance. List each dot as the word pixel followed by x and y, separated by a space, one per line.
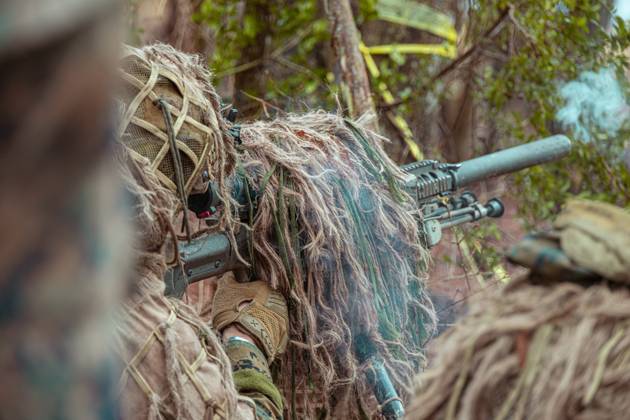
pixel 416 15
pixel 398 121
pixel 369 61
pixel 445 49
pixel 501 274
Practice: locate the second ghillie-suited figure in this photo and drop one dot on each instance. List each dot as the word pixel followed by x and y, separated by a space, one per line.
pixel 552 344
pixel 176 366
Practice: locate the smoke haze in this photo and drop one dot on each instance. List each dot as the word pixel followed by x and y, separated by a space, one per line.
pixel 593 102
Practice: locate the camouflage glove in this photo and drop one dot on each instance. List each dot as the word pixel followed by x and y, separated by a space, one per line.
pixel 254 307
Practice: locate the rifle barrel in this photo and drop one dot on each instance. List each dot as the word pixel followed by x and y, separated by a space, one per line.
pixel 512 159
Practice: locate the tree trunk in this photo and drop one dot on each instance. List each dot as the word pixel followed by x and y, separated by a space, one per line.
pixel 350 68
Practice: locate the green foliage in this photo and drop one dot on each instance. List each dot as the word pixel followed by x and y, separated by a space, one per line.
pixel 367 11
pixel 482 241
pixel 300 76
pixel 548 43
pixel 592 171
pixel 232 33
pixel 289 34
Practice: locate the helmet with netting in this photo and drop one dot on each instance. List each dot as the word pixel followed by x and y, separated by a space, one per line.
pixel 170 116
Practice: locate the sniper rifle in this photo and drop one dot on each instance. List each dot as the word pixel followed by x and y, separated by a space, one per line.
pixel 432 184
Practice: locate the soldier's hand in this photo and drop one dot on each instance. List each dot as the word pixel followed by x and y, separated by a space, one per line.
pixel 254 308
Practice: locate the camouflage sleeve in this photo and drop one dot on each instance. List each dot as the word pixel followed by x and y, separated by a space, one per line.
pixel 252 378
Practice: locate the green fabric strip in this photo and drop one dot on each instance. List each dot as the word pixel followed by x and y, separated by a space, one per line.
pixel 250 381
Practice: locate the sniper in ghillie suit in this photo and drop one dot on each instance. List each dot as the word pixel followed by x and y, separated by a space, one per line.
pixel 316 209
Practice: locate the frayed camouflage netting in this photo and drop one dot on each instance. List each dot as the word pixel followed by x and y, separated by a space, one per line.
pixel 554 351
pixel 335 233
pixel 168 94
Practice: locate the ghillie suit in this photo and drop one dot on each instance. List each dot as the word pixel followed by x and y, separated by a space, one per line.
pixel 63 252
pixel 332 231
pixel 174 365
pixel 338 237
pixel 551 345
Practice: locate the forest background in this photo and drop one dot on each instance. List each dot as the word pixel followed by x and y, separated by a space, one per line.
pixel 447 79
